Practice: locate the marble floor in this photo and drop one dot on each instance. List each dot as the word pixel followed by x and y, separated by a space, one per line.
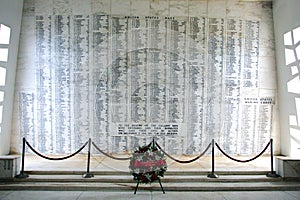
pixel 148 195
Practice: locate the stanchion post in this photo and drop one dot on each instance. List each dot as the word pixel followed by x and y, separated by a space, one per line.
pixel 88 174
pixel 22 173
pixel 212 174
pixel 272 174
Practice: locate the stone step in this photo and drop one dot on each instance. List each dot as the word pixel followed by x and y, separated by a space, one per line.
pixel 181 173
pixel 129 179
pixel 190 186
pixel 173 181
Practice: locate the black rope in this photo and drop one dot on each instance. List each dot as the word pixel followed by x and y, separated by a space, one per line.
pixel 184 161
pixel 62 158
pixel 106 154
pixel 243 161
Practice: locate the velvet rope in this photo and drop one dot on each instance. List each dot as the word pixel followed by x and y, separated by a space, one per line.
pixel 243 161
pixel 106 154
pixel 184 161
pixel 49 158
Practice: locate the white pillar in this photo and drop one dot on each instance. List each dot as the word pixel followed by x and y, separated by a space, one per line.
pixel 287 18
pixel 11 16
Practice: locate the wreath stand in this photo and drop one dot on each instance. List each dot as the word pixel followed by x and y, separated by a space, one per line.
pixel 138 182
pixel 140 162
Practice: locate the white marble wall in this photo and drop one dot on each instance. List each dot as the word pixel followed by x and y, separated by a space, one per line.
pixel 59 119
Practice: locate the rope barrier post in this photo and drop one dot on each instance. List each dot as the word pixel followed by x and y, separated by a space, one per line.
pixel 272 174
pixel 22 174
pixel 212 174
pixel 88 174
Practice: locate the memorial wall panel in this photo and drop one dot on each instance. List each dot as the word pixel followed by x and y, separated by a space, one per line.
pixel 123 80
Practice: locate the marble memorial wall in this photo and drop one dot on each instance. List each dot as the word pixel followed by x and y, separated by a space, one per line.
pixel 125 72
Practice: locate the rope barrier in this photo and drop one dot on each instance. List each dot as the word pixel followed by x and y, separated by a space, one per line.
pixel 242 161
pixel 88 175
pixel 106 154
pixel 184 161
pixel 62 158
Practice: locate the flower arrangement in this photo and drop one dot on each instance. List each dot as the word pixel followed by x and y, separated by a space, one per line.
pixel 147 164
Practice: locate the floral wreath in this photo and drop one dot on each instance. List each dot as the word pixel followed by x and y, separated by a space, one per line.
pixel 147 164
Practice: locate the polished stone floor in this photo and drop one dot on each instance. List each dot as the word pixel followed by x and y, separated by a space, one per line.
pixel 148 195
